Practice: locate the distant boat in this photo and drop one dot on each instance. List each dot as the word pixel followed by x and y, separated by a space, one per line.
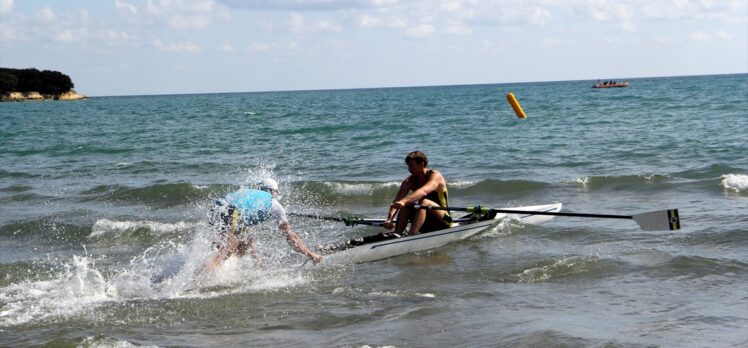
pixel 610 84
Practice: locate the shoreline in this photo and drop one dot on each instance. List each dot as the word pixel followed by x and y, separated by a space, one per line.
pixel 36 96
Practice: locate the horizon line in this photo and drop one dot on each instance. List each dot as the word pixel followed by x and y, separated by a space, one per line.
pixel 407 86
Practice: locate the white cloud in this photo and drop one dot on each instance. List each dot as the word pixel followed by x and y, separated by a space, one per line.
pixel 328 26
pixel 370 21
pixel 184 14
pixel 227 48
pixel 420 31
pixel 125 7
pixel 6 6
pixel 664 40
pixel 539 16
pixel 261 47
pixel 8 33
pixel 628 27
pixel 297 20
pixel 181 47
pixel 46 14
pixel 182 21
pixel 115 37
pixel 699 36
pixel 458 30
pixel 452 6
pixel 70 35
pixel 309 5
pixel 382 3
pixel 551 42
pixel 732 11
pixel 723 35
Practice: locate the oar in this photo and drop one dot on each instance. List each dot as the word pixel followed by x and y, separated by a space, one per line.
pixel 349 221
pixel 651 221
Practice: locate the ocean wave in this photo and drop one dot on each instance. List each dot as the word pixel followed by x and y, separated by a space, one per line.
pixel 105 226
pixel 557 268
pixel 729 238
pixel 708 172
pixel 102 341
pixel 735 182
pixel 170 194
pixel 16 188
pixel 45 229
pixel 16 175
pixel 693 267
pixel 625 182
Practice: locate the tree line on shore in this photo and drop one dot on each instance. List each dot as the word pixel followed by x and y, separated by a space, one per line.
pixel 32 80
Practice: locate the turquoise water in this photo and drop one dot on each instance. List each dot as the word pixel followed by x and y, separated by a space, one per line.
pixel 98 197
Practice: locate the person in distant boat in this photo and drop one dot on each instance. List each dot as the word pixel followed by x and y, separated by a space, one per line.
pixel 234 215
pixel 426 187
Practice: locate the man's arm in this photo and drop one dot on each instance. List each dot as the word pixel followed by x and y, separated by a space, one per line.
pixel 401 193
pixel 422 192
pixel 297 244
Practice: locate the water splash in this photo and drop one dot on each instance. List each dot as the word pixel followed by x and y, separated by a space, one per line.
pixel 555 268
pixel 735 182
pixel 168 270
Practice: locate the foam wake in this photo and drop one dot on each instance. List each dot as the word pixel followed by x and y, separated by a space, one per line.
pixel 735 182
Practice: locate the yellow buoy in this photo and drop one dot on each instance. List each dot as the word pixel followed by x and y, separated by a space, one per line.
pixel 515 105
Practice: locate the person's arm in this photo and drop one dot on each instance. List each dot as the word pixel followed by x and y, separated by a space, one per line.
pixel 297 244
pixel 401 193
pixel 421 193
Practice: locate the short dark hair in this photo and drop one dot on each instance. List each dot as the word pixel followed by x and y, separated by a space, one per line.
pixel 417 156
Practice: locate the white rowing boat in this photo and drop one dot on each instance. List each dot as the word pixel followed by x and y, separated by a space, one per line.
pixel 460 230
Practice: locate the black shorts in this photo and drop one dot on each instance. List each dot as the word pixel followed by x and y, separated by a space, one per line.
pixel 434 223
pixel 221 217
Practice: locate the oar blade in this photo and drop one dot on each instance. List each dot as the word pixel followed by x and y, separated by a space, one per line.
pixel 660 220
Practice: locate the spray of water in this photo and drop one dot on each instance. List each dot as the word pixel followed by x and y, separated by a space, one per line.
pixel 169 269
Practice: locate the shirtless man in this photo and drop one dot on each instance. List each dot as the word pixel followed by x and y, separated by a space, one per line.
pixel 425 187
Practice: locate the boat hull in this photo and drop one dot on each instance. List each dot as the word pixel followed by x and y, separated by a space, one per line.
pixel 614 85
pixel 426 241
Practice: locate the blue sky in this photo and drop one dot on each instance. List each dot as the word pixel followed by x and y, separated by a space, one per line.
pixel 125 47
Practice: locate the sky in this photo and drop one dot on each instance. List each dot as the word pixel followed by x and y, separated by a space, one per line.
pixel 137 47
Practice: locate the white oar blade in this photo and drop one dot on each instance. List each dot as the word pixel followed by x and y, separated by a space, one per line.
pixel 658 220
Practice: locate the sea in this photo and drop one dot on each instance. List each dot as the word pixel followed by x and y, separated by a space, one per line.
pixel 104 205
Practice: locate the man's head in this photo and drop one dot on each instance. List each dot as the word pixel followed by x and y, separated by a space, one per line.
pixel 269 185
pixel 416 160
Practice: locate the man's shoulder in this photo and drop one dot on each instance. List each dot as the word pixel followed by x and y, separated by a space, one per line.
pixel 435 174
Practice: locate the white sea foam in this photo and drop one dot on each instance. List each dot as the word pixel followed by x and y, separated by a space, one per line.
pixel 460 183
pixel 562 267
pixel 359 189
pixel 165 271
pixel 79 288
pixel 108 342
pixel 106 226
pixel 735 182
pixel 582 181
pixel 429 295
